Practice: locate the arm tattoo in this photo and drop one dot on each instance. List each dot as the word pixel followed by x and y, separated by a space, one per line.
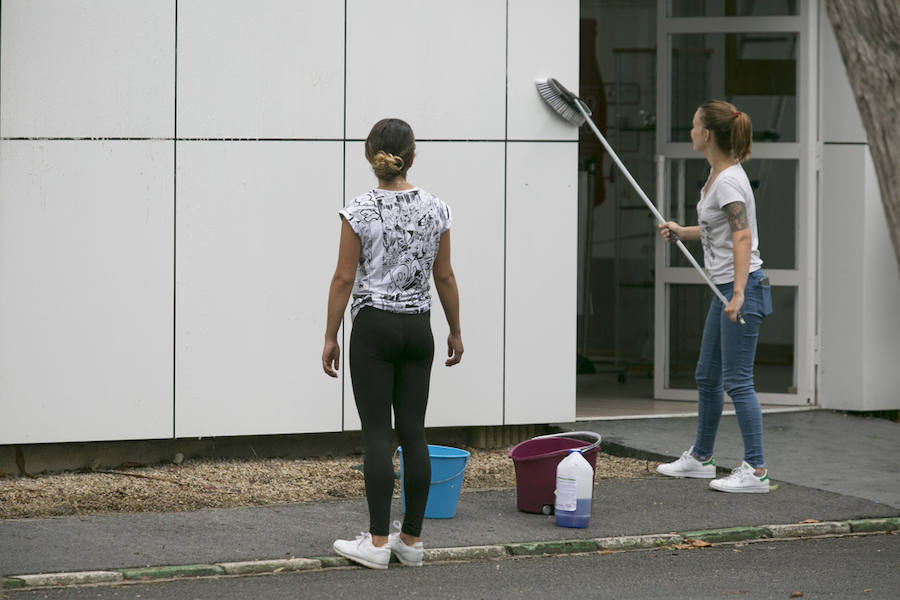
pixel 737 216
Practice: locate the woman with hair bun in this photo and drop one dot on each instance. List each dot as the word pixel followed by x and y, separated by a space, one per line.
pixel 393 239
pixel 727 231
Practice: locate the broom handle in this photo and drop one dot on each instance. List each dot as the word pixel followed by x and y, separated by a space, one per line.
pixel 652 208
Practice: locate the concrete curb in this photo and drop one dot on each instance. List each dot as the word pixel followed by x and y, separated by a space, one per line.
pixel 172 571
pixel 465 553
pixel 554 547
pixel 11 582
pixel 638 542
pixel 874 525
pixel 493 552
pixel 76 578
pixel 270 566
pixel 728 534
pixel 332 562
pixel 808 529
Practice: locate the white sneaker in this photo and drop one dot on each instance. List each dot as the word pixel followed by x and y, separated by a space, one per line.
pixel 408 555
pixel 688 466
pixel 742 479
pixel 362 550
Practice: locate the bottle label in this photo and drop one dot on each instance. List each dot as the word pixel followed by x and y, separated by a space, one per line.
pixel 566 493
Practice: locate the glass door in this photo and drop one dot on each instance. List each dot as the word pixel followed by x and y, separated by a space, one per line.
pixel 760 55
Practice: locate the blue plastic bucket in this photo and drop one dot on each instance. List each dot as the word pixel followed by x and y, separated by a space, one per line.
pixel 447 468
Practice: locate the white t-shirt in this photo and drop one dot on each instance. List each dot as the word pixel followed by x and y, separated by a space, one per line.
pixel 399 233
pixel 730 186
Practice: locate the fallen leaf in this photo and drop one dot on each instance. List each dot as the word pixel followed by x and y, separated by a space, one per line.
pixel 867 590
pixel 808 521
pixel 698 543
pixel 796 594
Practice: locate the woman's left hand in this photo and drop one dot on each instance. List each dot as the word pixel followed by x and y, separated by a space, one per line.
pixel 733 308
pixel 454 349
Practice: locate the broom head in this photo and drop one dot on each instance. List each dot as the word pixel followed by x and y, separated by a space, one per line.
pixel 564 102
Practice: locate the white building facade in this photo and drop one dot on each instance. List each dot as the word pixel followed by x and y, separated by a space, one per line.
pixel 171 172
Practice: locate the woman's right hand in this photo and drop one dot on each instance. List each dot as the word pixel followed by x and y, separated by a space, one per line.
pixel 331 357
pixel 668 228
pixel 454 349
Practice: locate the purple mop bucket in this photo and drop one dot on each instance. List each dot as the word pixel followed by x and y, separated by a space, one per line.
pixel 535 461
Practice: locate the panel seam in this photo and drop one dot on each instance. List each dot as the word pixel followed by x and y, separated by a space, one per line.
pixel 346 351
pixel 505 204
pixel 175 233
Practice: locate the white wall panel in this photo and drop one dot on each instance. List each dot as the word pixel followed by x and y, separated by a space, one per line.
pixel 842 337
pixel 86 271
pixel 840 116
pixel 79 68
pixel 469 178
pixel 541 251
pixel 266 69
pixel 860 292
pixel 257 241
pixel 439 66
pixel 359 179
pixel 543 42
pixel 880 310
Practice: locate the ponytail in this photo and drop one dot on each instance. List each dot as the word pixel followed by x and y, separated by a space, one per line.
pixel 741 137
pixel 731 128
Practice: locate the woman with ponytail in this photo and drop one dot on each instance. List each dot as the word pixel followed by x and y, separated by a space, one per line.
pixel 393 238
pixel 727 231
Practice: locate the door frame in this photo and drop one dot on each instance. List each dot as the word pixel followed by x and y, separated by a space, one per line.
pixel 806 151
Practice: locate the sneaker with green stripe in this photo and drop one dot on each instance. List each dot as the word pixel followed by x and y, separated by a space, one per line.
pixel 689 466
pixel 743 479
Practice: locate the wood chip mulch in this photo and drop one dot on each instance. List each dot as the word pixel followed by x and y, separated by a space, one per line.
pixel 199 484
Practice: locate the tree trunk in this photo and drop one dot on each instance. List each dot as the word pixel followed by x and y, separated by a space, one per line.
pixel 868 34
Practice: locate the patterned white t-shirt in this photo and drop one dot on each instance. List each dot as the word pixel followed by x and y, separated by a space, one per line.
pixel 730 186
pixel 399 233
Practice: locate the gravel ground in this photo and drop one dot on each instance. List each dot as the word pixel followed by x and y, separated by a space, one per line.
pixel 198 484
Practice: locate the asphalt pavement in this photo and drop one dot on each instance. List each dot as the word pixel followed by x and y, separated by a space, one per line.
pixel 824 466
pixel 864 568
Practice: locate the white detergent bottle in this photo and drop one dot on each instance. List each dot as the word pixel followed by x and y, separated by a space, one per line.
pixel 574 488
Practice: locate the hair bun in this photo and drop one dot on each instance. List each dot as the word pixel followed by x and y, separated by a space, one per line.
pixel 387 165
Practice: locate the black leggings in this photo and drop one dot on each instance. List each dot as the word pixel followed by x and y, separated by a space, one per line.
pixel 390 365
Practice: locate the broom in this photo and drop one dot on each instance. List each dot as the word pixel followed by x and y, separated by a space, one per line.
pixel 573 109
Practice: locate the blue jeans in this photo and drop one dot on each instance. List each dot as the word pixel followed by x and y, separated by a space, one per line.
pixel 726 363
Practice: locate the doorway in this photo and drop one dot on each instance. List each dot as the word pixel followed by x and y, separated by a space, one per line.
pixel 641 307
pixel 616 237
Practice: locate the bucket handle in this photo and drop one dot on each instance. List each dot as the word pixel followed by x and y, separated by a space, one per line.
pixel 452 477
pixel 591 434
